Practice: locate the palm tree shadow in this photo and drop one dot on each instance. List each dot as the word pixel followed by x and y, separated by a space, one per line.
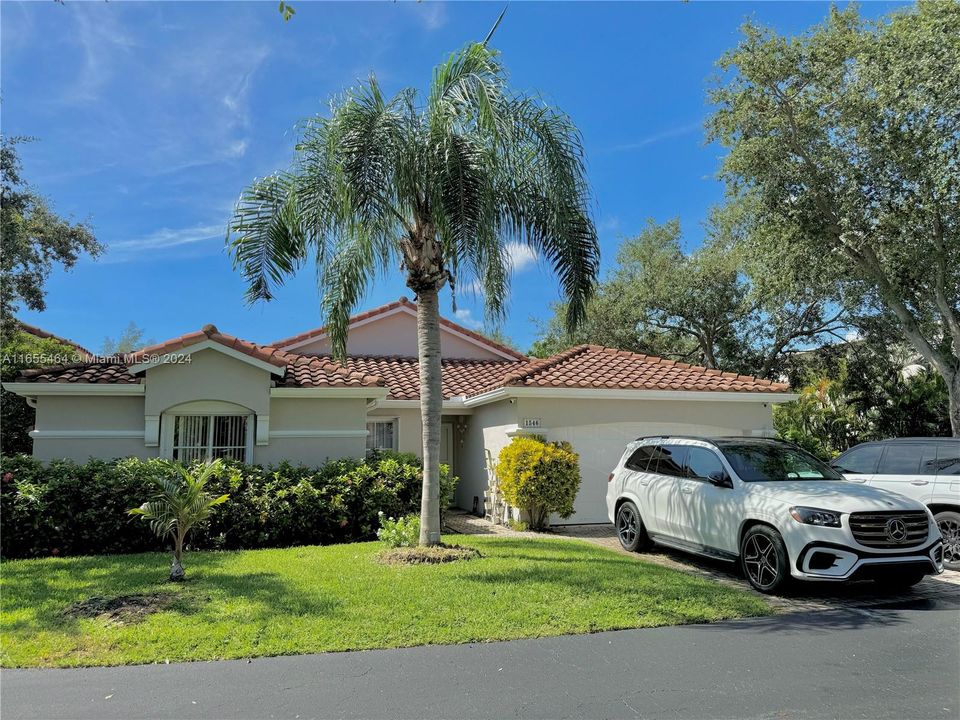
pixel 46 591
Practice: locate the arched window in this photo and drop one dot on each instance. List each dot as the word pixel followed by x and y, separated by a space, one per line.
pixel 206 430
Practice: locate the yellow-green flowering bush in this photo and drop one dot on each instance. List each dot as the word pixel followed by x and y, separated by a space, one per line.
pixel 539 477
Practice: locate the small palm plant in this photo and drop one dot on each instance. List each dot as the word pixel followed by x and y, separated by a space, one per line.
pixel 181 503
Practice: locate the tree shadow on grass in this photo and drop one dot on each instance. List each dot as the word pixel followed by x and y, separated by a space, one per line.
pixel 46 589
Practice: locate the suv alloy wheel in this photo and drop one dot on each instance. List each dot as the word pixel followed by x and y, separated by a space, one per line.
pixel 764 560
pixel 630 530
pixel 949 524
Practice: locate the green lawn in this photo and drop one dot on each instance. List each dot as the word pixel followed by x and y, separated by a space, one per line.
pixel 312 599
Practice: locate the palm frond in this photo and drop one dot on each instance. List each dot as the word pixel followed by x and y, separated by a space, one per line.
pixel 181 501
pixel 265 238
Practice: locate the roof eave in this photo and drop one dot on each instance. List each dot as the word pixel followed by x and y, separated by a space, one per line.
pixel 503 393
pixel 33 389
pixel 350 391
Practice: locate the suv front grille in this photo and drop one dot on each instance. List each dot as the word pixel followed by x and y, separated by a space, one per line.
pixel 881 530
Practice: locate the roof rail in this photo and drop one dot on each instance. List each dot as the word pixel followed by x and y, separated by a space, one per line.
pixel 677 437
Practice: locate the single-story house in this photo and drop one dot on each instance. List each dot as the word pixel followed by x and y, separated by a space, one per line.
pixel 208 394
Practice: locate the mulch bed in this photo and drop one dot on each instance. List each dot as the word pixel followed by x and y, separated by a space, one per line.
pixel 123 609
pixel 431 555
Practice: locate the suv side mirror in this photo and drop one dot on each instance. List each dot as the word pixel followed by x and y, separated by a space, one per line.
pixel 720 479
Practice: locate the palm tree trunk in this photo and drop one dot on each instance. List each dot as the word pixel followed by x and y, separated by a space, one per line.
pixel 431 407
pixel 176 569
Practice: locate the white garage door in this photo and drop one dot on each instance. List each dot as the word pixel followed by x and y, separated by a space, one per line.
pixel 600 448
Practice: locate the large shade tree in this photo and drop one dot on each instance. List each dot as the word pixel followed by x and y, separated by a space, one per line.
pixel 849 138
pixel 33 239
pixel 437 184
pixel 721 305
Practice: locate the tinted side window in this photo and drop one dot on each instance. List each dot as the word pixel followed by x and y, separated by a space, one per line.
pixel 948 458
pixel 640 458
pixel 669 460
pixel 703 464
pixel 907 458
pixel 860 461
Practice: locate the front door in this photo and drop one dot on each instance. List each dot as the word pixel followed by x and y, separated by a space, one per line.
pixel 446 445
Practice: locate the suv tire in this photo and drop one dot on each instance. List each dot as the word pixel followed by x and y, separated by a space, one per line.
pixel 949 523
pixel 764 559
pixel 630 530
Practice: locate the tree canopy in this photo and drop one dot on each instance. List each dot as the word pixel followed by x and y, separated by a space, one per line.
pixel 715 306
pixel 34 238
pixel 129 340
pixel 848 140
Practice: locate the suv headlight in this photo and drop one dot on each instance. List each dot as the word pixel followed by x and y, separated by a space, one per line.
pixel 815 516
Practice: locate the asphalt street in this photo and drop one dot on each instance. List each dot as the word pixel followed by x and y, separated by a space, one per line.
pixel 900 661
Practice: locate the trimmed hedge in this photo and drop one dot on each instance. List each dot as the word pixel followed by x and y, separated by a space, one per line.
pixel 68 508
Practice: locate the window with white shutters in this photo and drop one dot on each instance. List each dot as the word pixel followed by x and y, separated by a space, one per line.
pixel 208 437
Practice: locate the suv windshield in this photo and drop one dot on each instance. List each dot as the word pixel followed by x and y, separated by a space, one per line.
pixel 773 462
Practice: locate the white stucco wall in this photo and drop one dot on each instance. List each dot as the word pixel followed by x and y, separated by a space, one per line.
pixel 310 431
pixel 210 375
pixel 301 430
pixel 99 421
pixel 486 430
pixel 396 334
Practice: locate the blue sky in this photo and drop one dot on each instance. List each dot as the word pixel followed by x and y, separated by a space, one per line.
pixel 151 117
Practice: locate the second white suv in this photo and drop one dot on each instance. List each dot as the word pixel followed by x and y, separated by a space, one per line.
pixel 770 506
pixel 923 469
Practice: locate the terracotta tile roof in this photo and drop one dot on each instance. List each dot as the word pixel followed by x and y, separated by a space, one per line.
pixel 585 366
pixel 402 302
pixel 41 333
pixel 593 366
pixel 208 332
pixel 299 370
pixel 91 372
pixel 460 377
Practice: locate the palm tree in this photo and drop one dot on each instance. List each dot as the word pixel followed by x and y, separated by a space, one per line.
pixel 181 503
pixel 438 184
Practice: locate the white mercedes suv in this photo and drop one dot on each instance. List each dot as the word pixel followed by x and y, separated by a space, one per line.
pixel 774 508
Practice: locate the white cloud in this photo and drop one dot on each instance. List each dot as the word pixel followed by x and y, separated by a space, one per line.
pixel 659 137
pixel 164 104
pixel 433 14
pixel 609 223
pixel 473 287
pixel 521 256
pixel 162 241
pixel 465 317
pixel 239 148
pixel 101 40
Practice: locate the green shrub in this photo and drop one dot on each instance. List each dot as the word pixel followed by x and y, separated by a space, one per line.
pixel 67 508
pixel 403 532
pixel 539 477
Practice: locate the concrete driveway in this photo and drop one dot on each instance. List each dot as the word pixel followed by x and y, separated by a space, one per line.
pixel 900 661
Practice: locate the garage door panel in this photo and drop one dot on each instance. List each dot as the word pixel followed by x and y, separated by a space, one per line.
pixel 600 448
